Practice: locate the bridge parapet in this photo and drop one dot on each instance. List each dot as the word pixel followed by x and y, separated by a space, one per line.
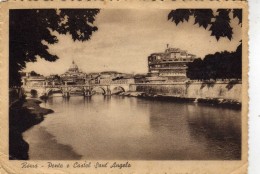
pixel 86 89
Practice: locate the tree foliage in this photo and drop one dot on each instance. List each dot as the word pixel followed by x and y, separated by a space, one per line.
pixel 221 65
pixel 31 32
pixel 33 73
pixel 218 21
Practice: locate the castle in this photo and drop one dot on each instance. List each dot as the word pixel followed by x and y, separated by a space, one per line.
pixel 170 65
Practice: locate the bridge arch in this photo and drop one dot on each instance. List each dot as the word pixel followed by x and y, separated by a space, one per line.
pixel 104 91
pixel 76 89
pixel 34 93
pixel 53 90
pixel 117 89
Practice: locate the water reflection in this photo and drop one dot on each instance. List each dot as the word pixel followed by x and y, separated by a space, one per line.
pixel 117 127
pixel 219 130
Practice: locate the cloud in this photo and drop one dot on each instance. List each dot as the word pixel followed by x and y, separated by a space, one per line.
pixel 125 38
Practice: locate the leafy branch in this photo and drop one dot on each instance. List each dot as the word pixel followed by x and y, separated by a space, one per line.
pixel 219 22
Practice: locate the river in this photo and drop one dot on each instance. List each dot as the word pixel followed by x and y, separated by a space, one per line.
pixel 129 128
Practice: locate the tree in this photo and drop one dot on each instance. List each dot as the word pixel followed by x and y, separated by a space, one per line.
pixel 33 73
pixel 195 69
pixel 219 22
pixel 221 65
pixel 32 30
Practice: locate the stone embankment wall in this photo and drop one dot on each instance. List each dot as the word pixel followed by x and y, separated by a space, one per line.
pixel 195 90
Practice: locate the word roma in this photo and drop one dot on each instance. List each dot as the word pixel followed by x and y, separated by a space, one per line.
pixel 101 165
pixel 35 165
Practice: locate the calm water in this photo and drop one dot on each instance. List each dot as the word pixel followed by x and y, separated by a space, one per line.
pixel 130 128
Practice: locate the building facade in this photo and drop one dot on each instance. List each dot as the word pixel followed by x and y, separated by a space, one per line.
pixel 32 79
pixel 170 65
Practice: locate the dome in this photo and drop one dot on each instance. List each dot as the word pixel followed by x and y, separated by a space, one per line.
pixel 73 66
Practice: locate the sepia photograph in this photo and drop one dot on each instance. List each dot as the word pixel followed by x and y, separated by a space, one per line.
pixel 125 84
pixel 124 87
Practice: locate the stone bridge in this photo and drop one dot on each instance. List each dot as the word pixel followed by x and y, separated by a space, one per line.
pixel 84 89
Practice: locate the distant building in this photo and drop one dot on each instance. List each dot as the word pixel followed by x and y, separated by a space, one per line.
pixel 74 75
pixel 140 78
pixel 108 77
pixel 53 79
pixel 32 79
pixel 170 65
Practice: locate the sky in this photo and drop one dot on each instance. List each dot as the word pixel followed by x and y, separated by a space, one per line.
pixel 125 38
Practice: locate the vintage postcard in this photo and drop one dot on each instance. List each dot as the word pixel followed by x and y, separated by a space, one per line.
pixel 124 87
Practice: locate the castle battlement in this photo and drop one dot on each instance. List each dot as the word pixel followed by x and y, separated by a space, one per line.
pixel 171 64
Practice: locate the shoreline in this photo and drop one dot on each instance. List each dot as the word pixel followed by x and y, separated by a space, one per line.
pixel 207 101
pixel 44 146
pixel 23 115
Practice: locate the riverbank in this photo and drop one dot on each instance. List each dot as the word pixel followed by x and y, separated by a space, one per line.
pixel 23 114
pixel 210 101
pixel 45 146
